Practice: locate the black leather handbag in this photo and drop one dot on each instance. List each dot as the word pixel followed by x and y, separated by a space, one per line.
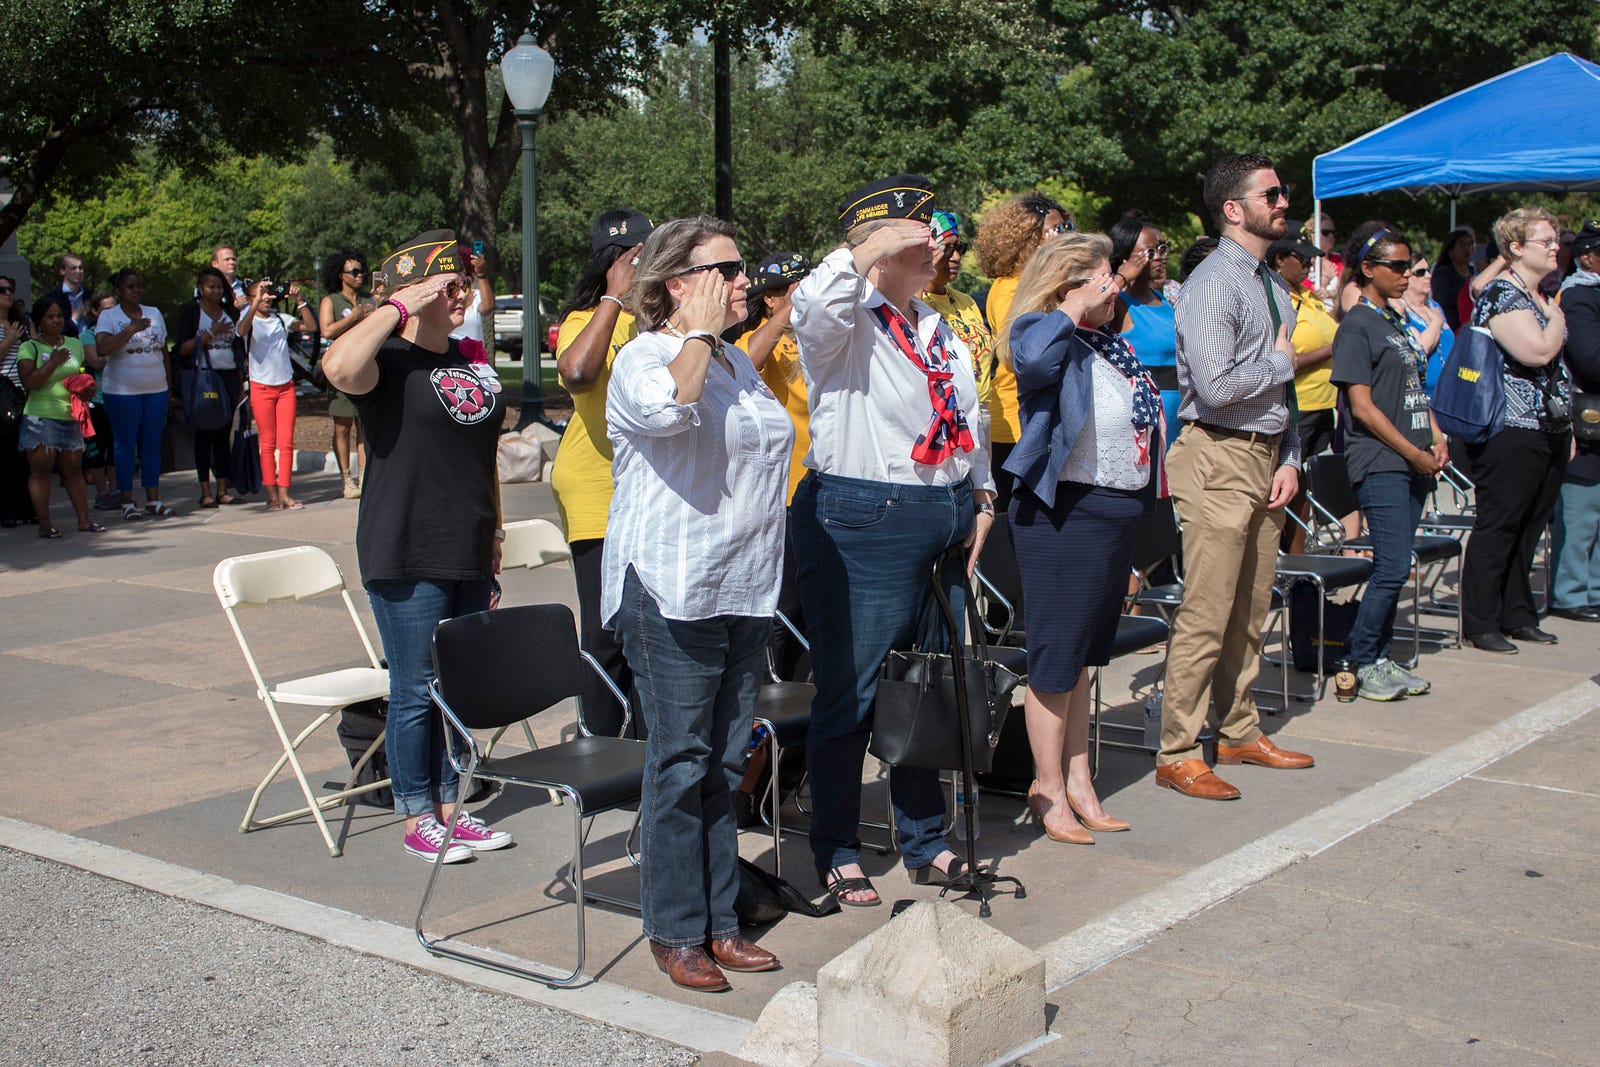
pixel 916 720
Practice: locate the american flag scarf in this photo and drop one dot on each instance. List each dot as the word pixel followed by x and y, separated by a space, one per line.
pixel 947 431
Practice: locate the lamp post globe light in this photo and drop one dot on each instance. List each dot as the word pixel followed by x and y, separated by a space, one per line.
pixel 527 71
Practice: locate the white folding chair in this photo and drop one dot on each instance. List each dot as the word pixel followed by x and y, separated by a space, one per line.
pixel 299 574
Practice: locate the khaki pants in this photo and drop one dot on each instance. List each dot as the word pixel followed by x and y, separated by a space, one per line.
pixel 1220 486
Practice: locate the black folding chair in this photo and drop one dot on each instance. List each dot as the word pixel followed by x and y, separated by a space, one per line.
pixel 482 682
pixel 1332 495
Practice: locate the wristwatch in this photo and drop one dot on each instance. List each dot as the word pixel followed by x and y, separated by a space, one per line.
pixel 986 508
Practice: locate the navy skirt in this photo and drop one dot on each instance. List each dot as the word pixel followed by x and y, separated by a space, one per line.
pixel 1075 563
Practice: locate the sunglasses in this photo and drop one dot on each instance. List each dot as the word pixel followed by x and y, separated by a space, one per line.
pixel 960 247
pixel 1328 232
pixel 729 269
pixel 455 288
pixel 1420 272
pixel 1161 249
pixel 1399 266
pixel 6 290
pixel 357 271
pixel 1271 194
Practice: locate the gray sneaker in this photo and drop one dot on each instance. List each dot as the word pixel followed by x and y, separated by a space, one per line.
pixel 1415 686
pixel 1375 682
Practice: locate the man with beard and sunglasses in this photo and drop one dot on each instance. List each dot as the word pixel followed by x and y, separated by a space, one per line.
pixel 1233 468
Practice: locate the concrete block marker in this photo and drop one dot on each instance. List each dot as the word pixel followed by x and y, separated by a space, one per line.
pixel 785 1034
pixel 935 987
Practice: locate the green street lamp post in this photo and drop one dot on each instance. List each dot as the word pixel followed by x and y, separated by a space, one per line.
pixel 527 71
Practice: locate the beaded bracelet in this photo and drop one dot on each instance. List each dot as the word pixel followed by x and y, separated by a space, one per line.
pixel 615 300
pixel 404 314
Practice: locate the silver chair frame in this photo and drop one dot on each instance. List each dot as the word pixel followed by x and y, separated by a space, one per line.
pixel 443 946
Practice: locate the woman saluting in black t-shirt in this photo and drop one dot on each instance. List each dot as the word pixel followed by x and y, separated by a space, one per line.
pixel 428 532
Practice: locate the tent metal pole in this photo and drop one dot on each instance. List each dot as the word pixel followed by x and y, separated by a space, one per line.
pixel 1452 212
pixel 1316 228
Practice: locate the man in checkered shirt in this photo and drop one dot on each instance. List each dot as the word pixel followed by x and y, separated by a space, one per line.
pixel 1232 469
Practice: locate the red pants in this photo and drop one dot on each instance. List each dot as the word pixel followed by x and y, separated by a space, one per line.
pixel 273 407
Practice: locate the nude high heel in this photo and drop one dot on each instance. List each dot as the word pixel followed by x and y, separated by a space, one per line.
pixel 1108 825
pixel 1080 836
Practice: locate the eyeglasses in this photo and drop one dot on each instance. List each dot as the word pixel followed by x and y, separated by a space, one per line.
pixel 1548 242
pixel 1271 194
pixel 1062 227
pixel 1421 272
pixel 729 269
pixel 357 271
pixel 1160 248
pixel 1399 266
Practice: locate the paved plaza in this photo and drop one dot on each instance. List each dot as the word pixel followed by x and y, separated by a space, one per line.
pixel 1424 895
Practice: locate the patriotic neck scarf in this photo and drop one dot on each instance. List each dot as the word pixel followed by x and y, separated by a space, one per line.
pixel 1147 411
pixel 947 431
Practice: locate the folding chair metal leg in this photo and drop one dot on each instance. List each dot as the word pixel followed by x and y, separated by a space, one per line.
pixel 315 805
pixel 443 947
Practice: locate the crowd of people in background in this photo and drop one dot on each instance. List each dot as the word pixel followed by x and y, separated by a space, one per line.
pixel 259 337
pixel 821 438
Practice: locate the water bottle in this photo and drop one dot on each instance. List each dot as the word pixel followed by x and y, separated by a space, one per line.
pixel 961 804
pixel 1152 720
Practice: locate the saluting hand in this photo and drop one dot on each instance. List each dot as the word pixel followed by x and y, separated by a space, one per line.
pixel 705 306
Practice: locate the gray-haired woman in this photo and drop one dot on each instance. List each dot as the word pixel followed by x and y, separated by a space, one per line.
pixel 694 546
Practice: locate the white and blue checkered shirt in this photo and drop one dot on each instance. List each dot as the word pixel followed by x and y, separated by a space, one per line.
pixel 1230 372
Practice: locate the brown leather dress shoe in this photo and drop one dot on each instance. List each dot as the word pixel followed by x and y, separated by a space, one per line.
pixel 690 967
pixel 738 953
pixel 1263 753
pixel 1193 778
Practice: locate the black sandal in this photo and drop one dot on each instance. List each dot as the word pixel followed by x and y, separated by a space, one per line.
pixel 928 874
pixel 837 885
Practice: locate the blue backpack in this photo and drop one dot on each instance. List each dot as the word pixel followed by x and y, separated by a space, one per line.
pixel 1469 401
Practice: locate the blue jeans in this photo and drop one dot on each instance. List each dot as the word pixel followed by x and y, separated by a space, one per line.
pixel 1392 504
pixel 697 683
pixel 865 552
pixel 1576 546
pixel 406 613
pixel 136 425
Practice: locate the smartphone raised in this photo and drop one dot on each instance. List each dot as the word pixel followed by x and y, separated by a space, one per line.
pixel 477 248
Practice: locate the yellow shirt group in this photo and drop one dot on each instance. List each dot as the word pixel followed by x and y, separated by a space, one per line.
pixel 1313 329
pixel 781 372
pixel 581 475
pixel 1005 422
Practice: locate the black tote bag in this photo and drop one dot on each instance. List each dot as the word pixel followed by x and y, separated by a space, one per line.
pixel 916 721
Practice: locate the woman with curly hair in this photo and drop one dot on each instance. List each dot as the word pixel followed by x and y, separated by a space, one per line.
pixel 1008 236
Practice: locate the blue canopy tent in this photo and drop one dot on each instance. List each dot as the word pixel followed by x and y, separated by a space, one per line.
pixel 1535 128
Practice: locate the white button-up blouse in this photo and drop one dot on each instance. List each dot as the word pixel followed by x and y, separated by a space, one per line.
pixel 869 402
pixel 698 510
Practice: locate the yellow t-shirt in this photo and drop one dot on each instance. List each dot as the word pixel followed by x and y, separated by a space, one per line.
pixel 966 321
pixel 1313 329
pixel 782 374
pixel 1005 423
pixel 581 475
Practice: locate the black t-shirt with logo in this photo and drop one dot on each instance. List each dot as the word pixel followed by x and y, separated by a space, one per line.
pixel 1370 350
pixel 428 494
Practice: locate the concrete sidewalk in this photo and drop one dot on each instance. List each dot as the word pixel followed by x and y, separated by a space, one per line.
pixel 1334 891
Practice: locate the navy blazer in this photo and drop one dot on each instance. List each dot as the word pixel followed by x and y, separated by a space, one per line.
pixel 1055 394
